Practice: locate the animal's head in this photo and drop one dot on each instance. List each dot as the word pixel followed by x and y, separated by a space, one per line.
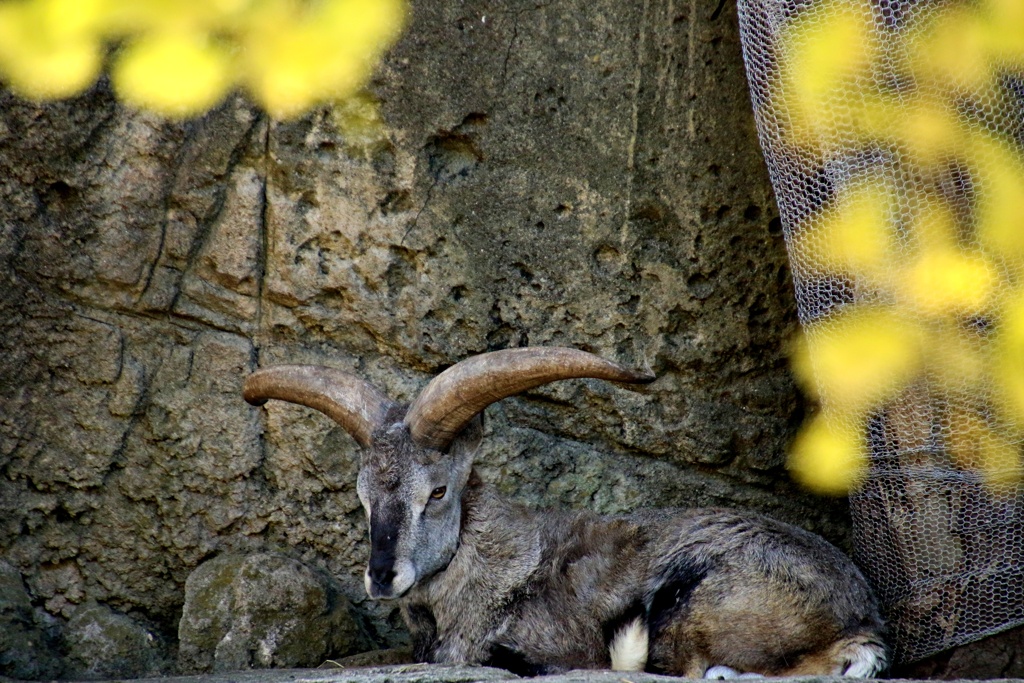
pixel 417 459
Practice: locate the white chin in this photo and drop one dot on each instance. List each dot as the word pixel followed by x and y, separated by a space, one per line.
pixel 405 577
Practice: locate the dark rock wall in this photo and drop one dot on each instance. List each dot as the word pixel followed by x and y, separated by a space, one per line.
pixel 572 173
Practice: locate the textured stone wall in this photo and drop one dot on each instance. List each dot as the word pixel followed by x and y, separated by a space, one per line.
pixel 580 173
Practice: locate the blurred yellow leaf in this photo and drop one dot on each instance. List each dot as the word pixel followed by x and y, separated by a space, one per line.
pixel 43 59
pixel 925 285
pixel 944 280
pixel 62 71
pixel 824 52
pixel 366 27
pixel 1008 360
pixel 927 129
pixel 1004 29
pixel 968 45
pixel 977 446
pixel 852 235
pixel 957 358
pixel 71 19
pixel 828 455
pixel 181 56
pixel 169 16
pixel 293 71
pixel 858 358
pixel 294 61
pixel 950 48
pixel 998 177
pixel 175 74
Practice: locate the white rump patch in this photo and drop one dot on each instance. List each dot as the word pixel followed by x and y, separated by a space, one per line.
pixel 628 648
pixel 864 660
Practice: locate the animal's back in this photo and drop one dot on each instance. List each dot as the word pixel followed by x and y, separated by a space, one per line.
pixel 741 590
pixel 681 591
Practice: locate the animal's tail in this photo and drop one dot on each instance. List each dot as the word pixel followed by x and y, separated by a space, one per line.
pixel 628 648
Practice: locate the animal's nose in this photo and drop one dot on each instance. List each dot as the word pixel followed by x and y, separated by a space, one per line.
pixel 382 572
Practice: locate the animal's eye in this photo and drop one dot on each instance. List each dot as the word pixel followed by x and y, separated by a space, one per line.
pixel 438 493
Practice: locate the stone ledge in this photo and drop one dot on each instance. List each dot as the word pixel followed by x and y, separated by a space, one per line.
pixel 437 673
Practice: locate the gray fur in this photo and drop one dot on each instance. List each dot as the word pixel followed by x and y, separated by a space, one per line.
pixel 484 580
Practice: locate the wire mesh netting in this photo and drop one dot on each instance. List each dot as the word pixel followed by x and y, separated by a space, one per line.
pixel 894 136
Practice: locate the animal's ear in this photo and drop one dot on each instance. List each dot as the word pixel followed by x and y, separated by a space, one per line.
pixel 467 443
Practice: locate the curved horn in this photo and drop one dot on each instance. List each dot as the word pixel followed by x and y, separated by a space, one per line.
pixel 452 398
pixel 353 403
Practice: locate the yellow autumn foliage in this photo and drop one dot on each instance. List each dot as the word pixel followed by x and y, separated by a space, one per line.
pixel 927 129
pixel 182 57
pixel 173 74
pixel 829 455
pixel 927 249
pixel 291 60
pixel 969 45
pixel 1008 359
pixel 826 52
pixel 953 50
pixel 1000 196
pixel 859 357
pixel 853 235
pixel 975 444
pixel 955 358
pixel 944 280
pixel 48 48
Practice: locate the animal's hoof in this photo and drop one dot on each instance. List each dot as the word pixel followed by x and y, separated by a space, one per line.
pixel 721 673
